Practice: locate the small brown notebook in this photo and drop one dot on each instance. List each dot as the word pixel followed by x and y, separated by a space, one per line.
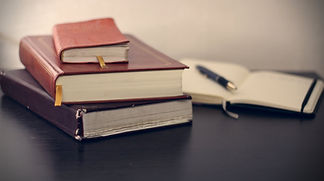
pixel 82 42
pixel 148 75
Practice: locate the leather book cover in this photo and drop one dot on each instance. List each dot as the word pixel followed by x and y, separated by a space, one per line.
pixel 97 32
pixel 20 85
pixel 38 55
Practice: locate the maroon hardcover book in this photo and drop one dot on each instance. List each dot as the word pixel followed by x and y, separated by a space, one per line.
pixel 38 55
pixel 79 120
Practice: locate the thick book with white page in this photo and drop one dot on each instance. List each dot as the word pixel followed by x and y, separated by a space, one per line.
pixel 261 88
pixel 85 121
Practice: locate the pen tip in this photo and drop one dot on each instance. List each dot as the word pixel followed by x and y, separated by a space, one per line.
pixel 230 86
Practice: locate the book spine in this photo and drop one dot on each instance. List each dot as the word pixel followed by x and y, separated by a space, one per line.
pixel 39 102
pixel 37 66
pixel 56 41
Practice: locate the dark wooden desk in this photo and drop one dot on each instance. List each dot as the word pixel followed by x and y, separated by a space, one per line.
pixel 258 146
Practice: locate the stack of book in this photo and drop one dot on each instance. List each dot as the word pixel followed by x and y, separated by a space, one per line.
pixel 90 80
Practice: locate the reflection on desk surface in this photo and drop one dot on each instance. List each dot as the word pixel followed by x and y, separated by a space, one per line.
pixel 41 151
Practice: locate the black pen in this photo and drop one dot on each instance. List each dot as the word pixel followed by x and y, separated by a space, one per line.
pixel 217 78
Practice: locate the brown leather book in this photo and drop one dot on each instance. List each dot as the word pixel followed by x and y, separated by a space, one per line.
pixel 81 42
pixel 148 75
pixel 84 121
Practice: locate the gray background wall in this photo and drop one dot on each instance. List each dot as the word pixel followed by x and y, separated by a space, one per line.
pixel 260 34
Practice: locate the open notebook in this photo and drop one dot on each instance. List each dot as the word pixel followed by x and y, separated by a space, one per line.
pixel 262 88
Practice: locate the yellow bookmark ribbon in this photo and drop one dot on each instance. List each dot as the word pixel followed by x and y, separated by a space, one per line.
pixel 58 95
pixel 101 61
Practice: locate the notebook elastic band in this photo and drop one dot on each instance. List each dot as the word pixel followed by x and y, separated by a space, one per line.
pixel 309 93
